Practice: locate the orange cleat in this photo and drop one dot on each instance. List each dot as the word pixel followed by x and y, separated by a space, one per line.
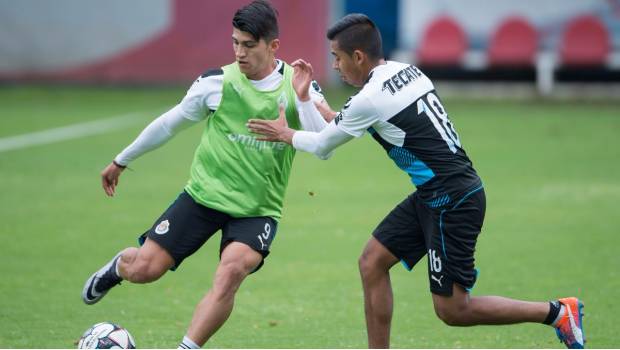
pixel 569 328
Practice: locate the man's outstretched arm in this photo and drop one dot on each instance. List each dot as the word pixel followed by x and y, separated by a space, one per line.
pixel 322 144
pixel 353 120
pixel 157 133
pixel 319 143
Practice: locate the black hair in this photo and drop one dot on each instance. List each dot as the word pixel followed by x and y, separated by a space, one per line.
pixel 259 18
pixel 357 32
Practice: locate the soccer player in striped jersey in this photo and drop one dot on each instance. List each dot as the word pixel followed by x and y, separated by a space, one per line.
pixel 237 183
pixel 400 108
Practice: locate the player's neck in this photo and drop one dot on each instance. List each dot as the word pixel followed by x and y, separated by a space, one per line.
pixel 264 73
pixel 367 69
pixel 375 65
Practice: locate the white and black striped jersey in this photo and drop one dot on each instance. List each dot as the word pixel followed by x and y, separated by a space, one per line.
pixel 399 107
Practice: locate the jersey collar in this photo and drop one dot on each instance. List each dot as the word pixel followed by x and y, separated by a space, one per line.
pixel 372 71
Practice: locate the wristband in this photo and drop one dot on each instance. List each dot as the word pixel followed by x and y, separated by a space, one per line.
pixel 118 165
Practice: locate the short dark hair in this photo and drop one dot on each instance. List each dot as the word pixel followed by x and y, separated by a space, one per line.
pixel 357 32
pixel 258 18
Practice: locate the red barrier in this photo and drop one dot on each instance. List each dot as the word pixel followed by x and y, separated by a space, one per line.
pixel 199 38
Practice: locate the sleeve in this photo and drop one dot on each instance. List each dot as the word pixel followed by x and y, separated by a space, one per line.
pixel 203 96
pixel 309 116
pixel 155 134
pixel 321 144
pixel 357 115
pixel 316 93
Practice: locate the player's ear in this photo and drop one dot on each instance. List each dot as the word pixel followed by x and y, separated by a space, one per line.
pixel 274 45
pixel 358 57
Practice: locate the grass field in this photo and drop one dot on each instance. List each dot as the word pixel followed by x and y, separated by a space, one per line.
pixel 552 177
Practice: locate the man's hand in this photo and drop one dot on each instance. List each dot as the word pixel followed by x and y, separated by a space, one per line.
pixel 109 178
pixel 326 111
pixel 302 78
pixel 272 130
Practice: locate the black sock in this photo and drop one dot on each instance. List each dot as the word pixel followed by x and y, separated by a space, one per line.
pixel 554 310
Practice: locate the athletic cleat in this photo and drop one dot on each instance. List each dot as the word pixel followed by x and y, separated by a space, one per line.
pixel 569 328
pixel 100 282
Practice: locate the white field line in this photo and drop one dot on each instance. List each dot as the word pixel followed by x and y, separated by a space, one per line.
pixel 69 132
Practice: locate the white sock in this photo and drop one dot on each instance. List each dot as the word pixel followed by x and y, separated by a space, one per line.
pixel 560 314
pixel 188 344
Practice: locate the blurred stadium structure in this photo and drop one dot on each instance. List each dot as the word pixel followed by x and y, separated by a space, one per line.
pixel 528 42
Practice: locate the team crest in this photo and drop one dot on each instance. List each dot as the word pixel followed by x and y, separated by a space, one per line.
pixel 163 227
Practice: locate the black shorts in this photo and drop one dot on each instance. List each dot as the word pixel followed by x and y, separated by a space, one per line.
pixel 186 225
pixel 447 235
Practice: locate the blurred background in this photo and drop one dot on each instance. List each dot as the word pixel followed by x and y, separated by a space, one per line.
pixel 532 87
pixel 537 42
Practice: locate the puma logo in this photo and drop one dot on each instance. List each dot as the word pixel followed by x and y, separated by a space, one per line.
pixel 438 280
pixel 573 325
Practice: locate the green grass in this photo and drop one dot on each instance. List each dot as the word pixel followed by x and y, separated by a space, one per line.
pixel 552 177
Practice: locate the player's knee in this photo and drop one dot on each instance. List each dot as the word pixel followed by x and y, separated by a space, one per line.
pixel 129 255
pixel 449 315
pixel 368 264
pixel 364 264
pixel 228 279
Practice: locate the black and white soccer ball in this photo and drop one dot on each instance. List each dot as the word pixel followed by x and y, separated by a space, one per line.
pixel 106 335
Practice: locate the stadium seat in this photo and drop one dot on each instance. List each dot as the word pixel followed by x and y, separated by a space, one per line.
pixel 514 43
pixel 585 42
pixel 443 43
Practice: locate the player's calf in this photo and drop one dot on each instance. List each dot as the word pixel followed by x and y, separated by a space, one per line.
pixel 142 271
pixel 145 264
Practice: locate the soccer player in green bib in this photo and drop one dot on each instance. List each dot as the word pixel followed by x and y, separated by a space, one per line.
pixel 237 183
